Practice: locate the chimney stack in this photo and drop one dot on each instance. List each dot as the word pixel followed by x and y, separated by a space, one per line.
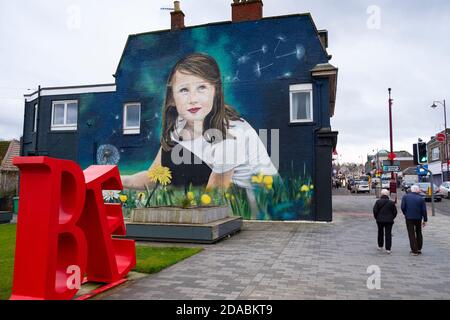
pixel 323 35
pixel 246 10
pixel 177 17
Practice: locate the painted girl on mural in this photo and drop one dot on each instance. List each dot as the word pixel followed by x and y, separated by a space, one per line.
pixel 204 142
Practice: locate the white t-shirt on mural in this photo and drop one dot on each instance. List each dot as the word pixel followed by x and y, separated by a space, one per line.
pixel 242 151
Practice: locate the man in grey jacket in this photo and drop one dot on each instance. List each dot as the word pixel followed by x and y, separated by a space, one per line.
pixel 415 210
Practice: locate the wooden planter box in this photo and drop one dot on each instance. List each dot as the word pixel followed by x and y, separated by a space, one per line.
pixel 197 215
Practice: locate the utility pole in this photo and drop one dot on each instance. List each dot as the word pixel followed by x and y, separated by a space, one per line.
pixel 446 141
pixel 393 183
pixel 446 152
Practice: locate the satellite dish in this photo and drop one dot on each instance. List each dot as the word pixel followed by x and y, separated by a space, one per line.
pixel 107 154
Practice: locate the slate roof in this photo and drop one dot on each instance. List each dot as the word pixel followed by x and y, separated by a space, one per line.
pixel 6 157
pixel 4 145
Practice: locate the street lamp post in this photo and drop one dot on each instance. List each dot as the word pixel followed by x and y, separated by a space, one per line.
pixel 442 103
pixel 393 183
pixel 390 131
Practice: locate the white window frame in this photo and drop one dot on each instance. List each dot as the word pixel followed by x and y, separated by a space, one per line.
pixel 65 126
pixel 36 106
pixel 297 88
pixel 131 129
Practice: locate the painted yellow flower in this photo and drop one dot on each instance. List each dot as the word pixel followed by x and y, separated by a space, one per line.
pixel 160 174
pixel 258 179
pixel 304 188
pixel 190 196
pixel 268 180
pixel 123 198
pixel 206 199
pixel 269 186
pixel 311 187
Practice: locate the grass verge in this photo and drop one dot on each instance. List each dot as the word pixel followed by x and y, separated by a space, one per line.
pixel 7 245
pixel 148 259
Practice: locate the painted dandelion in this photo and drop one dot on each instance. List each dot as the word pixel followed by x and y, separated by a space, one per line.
pixel 160 176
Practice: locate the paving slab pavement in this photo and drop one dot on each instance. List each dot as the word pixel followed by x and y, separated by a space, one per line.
pixel 292 261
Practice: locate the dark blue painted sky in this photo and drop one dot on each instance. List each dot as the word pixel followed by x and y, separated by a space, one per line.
pixel 375 44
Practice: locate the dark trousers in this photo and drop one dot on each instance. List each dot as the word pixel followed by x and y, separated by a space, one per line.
pixel 415 234
pixel 385 232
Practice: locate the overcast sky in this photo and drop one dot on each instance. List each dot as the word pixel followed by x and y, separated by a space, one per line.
pixel 375 44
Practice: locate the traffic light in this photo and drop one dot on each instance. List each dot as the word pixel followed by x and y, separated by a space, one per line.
pixel 422 156
pixel 415 157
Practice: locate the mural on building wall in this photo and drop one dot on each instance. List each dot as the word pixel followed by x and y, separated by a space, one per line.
pixel 211 129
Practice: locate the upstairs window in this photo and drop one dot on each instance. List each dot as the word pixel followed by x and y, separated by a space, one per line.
pixel 132 118
pixel 301 103
pixel 35 115
pixel 435 154
pixel 64 115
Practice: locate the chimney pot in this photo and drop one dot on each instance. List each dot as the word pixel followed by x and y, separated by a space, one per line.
pixel 177 6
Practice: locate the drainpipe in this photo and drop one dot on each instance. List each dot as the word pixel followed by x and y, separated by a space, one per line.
pixel 22 144
pixel 36 146
pixel 317 89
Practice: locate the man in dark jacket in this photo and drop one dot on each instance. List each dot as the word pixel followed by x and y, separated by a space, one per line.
pixel 385 212
pixel 415 209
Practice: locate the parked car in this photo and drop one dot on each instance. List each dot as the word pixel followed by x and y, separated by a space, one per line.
pixel 385 183
pixel 424 186
pixel 406 185
pixel 445 189
pixel 360 186
pixel 363 186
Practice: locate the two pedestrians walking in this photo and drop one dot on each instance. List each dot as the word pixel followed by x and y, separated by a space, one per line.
pixel 415 211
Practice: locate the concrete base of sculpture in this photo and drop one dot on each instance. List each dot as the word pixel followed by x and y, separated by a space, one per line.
pixel 171 224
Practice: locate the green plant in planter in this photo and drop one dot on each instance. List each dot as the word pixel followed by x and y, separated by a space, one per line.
pixel 166 196
pixel 276 199
pixel 197 196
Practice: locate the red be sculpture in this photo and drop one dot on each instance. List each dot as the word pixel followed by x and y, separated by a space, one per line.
pixel 64 229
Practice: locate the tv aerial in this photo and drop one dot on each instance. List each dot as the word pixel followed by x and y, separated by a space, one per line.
pixel 175 8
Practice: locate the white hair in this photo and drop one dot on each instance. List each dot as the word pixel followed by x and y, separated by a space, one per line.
pixel 415 189
pixel 385 192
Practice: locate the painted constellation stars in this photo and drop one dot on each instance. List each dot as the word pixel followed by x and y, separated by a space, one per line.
pixel 246 57
pixel 235 78
pixel 280 39
pixel 299 53
pixel 258 68
pixel 280 45
pixel 155 116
